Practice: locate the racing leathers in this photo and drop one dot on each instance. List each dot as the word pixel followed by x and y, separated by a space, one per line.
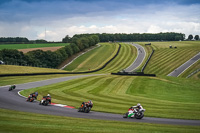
pixel 48 98
pixel 83 105
pixel 35 94
pixel 133 109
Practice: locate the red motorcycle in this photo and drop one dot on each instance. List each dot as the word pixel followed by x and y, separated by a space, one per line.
pixel 31 98
pixel 86 107
pixel 45 101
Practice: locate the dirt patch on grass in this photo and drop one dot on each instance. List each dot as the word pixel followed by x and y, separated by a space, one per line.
pixel 44 49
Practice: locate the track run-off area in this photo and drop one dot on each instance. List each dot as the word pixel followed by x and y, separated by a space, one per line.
pixel 11 100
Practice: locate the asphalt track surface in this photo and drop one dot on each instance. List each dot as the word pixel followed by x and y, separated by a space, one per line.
pixel 185 66
pixel 11 100
pixel 138 61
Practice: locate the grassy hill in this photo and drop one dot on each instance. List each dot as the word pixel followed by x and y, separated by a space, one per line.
pixel 26 46
pixel 125 58
pixel 99 56
pixel 165 60
pixel 94 59
pixel 12 69
pixel 167 97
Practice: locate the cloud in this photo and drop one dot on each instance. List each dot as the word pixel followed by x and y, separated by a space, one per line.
pixel 69 17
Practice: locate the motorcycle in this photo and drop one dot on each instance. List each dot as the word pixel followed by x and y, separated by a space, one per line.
pixel 86 108
pixel 31 98
pixel 45 101
pixel 12 87
pixel 139 114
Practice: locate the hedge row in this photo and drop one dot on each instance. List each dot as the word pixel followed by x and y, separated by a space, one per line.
pixel 47 59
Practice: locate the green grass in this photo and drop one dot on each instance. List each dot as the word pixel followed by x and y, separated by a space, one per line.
pixel 179 44
pixel 166 97
pixel 94 58
pixel 25 79
pixel 125 58
pixel 27 46
pixel 12 69
pixel 21 122
pixel 165 60
pixel 98 57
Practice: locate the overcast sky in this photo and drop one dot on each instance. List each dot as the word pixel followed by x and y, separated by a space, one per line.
pixel 30 18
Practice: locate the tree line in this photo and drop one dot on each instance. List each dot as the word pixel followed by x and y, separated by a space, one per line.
pixel 105 37
pixel 47 59
pixel 20 40
pixel 13 40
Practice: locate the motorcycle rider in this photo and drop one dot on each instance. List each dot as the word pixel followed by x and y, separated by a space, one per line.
pixel 48 97
pixel 34 95
pixel 12 87
pixel 83 105
pixel 133 109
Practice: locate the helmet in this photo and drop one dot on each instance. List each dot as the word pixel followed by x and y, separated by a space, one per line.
pixel 48 95
pixel 90 101
pixel 138 104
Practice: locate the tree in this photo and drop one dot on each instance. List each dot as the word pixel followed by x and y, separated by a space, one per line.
pixel 196 37
pixel 69 50
pixel 178 37
pixel 40 41
pixel 74 48
pixel 85 42
pixel 190 37
pixel 67 39
pixel 96 39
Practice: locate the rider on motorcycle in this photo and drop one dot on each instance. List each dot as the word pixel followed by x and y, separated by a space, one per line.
pixel 48 97
pixel 35 94
pixel 133 109
pixel 12 87
pixel 84 103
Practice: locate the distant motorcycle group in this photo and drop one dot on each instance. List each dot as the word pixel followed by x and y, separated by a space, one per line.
pixel 45 100
pixel 133 112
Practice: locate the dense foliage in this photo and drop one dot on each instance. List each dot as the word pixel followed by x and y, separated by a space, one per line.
pixel 196 37
pixel 13 40
pixel 105 37
pixel 48 59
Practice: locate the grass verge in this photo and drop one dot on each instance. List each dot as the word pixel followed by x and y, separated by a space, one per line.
pixel 13 69
pixel 25 79
pixel 21 122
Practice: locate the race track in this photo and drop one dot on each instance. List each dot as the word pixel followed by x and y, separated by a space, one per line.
pixel 138 61
pixel 185 66
pixel 11 100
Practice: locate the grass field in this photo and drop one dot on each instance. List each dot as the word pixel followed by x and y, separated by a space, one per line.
pixel 27 46
pixel 125 58
pixel 94 58
pixel 167 97
pixel 98 57
pixel 21 122
pixel 12 69
pixel 165 60
pixel 25 79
